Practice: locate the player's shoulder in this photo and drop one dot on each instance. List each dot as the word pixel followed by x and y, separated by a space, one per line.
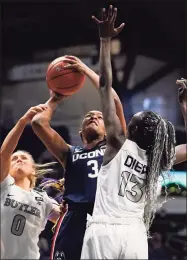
pixel 129 144
pixel 133 148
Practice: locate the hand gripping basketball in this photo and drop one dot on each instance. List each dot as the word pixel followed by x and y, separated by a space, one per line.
pixel 62 80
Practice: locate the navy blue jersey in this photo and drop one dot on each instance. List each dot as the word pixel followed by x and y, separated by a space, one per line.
pixel 81 173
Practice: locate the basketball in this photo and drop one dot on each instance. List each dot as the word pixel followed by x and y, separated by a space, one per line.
pixel 61 80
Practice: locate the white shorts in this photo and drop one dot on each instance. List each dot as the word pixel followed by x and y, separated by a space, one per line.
pixel 115 238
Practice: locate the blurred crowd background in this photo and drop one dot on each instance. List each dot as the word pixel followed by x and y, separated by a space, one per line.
pixel 147 58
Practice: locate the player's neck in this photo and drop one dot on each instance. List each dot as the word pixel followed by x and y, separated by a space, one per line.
pixel 93 143
pixel 24 184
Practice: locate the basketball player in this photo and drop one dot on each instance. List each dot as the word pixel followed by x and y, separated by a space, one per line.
pixel 82 165
pixel 24 210
pixel 126 196
pixel 181 150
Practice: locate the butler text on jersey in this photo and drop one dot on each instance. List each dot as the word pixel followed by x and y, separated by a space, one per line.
pixel 22 207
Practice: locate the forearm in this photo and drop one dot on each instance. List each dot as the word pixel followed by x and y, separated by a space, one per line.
pixel 105 64
pixel 184 112
pixel 45 117
pixel 12 139
pixel 92 76
pixel 181 153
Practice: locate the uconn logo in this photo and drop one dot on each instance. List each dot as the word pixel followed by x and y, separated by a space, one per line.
pixel 90 155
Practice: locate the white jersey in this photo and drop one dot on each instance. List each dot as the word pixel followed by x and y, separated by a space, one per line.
pixel 23 216
pixel 121 184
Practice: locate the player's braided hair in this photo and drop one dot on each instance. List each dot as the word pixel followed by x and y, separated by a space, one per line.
pixel 40 169
pixel 161 156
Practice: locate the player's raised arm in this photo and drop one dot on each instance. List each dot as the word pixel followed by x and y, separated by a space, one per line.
pixel 181 150
pixel 106 31
pixel 76 63
pixel 11 141
pixel 51 139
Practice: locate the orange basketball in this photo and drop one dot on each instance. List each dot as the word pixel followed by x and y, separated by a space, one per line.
pixel 63 81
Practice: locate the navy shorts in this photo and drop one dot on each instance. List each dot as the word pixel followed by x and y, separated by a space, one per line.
pixel 69 234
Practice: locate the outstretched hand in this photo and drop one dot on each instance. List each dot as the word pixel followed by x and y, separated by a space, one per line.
pixel 106 24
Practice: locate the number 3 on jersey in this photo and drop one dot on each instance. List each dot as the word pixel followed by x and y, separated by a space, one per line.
pixel 94 168
pixel 131 186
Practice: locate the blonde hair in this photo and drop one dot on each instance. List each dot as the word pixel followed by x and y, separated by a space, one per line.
pixel 39 169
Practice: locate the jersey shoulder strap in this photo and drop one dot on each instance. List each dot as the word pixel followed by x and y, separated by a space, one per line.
pixel 39 191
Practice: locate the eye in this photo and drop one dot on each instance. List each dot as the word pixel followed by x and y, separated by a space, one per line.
pixel 14 158
pixel 24 158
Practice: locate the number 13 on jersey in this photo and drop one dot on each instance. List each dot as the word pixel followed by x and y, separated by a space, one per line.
pixel 132 186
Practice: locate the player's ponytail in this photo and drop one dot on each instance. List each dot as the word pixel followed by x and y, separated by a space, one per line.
pixel 56 184
pixel 161 156
pixel 41 169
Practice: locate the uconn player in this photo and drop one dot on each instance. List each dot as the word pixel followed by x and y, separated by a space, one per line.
pixel 82 165
pixel 126 196
pixel 24 210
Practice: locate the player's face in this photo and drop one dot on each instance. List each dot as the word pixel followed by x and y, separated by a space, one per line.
pixel 93 121
pixel 22 165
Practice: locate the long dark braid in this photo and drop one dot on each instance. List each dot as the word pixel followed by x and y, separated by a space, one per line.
pixel 161 156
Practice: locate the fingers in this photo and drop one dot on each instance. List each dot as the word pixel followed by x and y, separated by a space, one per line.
pixel 182 82
pixel 96 20
pixel 70 57
pixel 103 14
pixel 70 61
pixel 119 29
pixel 110 12
pixel 39 108
pixel 113 19
pixel 70 66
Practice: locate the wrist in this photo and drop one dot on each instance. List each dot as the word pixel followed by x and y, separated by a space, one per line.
pixel 54 100
pixel 105 39
pixel 23 120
